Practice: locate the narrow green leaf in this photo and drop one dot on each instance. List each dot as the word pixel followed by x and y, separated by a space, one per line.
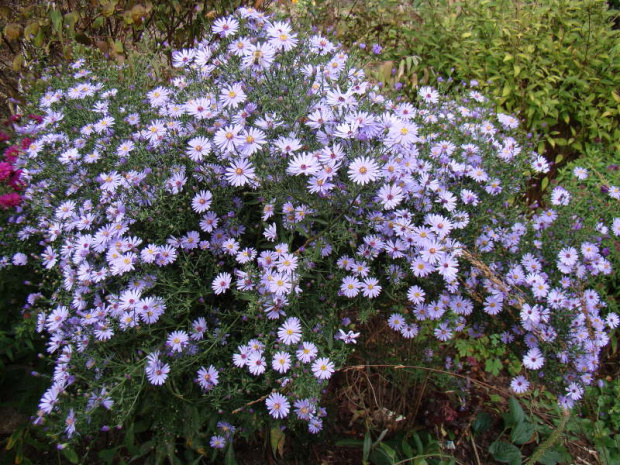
pixel 277 438
pixel 70 455
pixel 56 17
pixel 350 443
pixel 367 446
pixel 516 412
pixel 406 448
pixel 381 456
pixel 388 450
pixel 229 458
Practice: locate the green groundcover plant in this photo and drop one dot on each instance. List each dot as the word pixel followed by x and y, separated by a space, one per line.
pixel 209 245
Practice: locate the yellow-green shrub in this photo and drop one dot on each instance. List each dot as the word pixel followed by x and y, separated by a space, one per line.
pixel 556 63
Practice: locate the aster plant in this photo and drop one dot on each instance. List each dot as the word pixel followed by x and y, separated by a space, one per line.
pixel 212 244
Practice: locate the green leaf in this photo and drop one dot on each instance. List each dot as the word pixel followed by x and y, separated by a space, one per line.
pixel 70 455
pixel 277 438
pixel 229 458
pixel 516 414
pixel 418 444
pixel 550 457
pixel 107 8
pixel 406 448
pixel 482 422
pixel 71 19
pixel 522 433
pixel 493 366
pixel 98 22
pixel 18 62
pixel 350 443
pixel 56 17
pixel 383 455
pixel 388 450
pixel 39 38
pixel 367 446
pixel 107 455
pixel 505 452
pixel 381 436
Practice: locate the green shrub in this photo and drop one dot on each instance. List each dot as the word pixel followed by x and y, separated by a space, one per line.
pixel 555 63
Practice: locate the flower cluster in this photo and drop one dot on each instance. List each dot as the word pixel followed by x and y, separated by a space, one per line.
pixel 219 228
pixel 10 175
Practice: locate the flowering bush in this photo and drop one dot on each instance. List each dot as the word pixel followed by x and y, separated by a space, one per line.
pixel 209 246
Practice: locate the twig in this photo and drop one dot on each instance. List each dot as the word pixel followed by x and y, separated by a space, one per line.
pixel 419 399
pixel 488 273
pixel 473 443
pixel 433 370
pixel 237 410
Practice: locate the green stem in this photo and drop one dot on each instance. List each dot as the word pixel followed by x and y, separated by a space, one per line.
pixel 551 440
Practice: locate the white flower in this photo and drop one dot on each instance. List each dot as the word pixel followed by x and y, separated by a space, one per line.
pixel 363 170
pixel 307 352
pixel 202 201
pixel 233 95
pixel 281 362
pixel 221 283
pixel 519 384
pixel 534 359
pixel 428 94
pixel 290 331
pixel 240 172
pixel 580 173
pixel 226 27
pixel 323 368
pixel 350 286
pixel 177 341
pixel 256 363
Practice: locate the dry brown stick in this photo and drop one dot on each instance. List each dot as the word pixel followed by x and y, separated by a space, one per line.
pixel 434 370
pixel 237 410
pixel 473 443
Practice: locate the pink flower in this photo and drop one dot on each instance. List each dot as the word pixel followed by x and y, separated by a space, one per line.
pixel 5 170
pixel 10 200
